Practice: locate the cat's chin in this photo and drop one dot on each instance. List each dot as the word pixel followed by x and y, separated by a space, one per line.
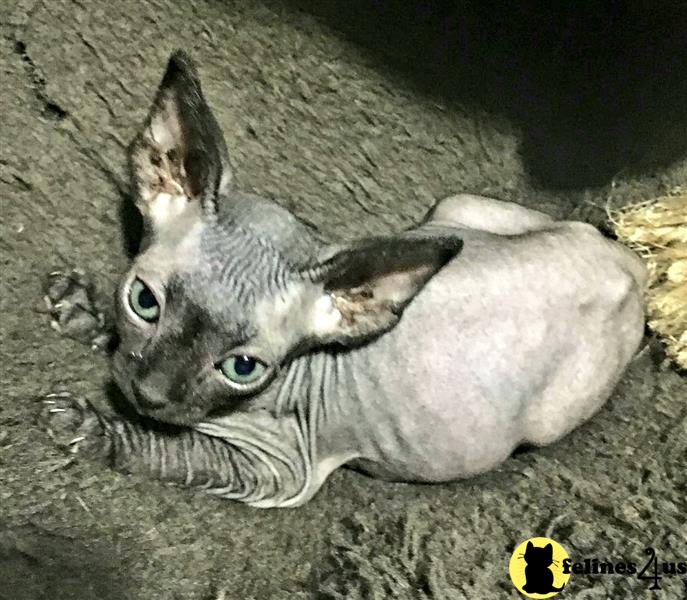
pixel 172 422
pixel 164 416
pixel 175 421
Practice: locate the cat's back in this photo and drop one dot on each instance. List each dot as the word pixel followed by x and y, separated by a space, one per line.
pixel 516 306
pixel 519 338
pixel 567 255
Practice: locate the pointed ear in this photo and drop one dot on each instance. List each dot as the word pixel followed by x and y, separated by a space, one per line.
pixel 530 545
pixel 363 289
pixel 179 159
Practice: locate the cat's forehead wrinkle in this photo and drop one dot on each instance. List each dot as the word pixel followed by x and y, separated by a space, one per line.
pixel 270 225
pixel 237 264
pixel 229 239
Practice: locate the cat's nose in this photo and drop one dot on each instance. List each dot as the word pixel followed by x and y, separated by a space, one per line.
pixel 147 399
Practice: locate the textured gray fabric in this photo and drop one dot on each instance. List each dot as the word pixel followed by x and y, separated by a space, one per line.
pixel 354 147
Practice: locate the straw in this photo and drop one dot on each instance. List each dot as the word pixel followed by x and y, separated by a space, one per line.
pixel 657 231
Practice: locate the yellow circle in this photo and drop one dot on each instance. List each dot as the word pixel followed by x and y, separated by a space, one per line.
pixel 536 568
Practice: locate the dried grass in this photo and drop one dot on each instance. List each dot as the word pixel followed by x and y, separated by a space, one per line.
pixel 657 230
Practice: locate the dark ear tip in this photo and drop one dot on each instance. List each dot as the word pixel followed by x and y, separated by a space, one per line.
pixel 456 245
pixel 450 248
pixel 180 56
pixel 180 64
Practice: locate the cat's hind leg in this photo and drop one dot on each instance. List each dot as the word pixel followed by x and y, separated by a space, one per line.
pixel 486 214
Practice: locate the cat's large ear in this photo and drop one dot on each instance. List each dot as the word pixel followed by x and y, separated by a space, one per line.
pixel 362 290
pixel 530 546
pixel 179 160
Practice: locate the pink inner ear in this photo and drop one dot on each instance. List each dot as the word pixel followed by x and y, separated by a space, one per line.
pixel 165 127
pixel 158 157
pixel 157 172
pixel 396 287
pixel 181 154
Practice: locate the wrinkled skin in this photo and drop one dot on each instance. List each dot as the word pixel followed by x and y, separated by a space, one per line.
pixel 429 355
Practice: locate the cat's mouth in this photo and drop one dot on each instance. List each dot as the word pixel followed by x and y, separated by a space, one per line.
pixel 158 410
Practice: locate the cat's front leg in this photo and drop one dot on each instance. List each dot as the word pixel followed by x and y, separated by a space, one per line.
pixel 75 312
pixel 75 426
pixel 262 468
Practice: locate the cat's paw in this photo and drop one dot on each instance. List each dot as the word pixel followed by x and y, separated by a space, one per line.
pixel 69 300
pixel 74 425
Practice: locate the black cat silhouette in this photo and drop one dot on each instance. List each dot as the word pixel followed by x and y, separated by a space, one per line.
pixel 537 572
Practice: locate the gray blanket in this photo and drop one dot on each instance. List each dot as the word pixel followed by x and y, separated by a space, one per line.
pixel 354 143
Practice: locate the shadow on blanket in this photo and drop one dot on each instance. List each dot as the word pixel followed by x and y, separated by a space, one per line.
pixel 596 88
pixel 36 564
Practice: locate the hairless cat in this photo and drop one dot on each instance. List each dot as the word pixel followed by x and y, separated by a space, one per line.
pixel 428 355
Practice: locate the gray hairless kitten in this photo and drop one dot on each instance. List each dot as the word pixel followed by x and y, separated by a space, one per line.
pixel 429 355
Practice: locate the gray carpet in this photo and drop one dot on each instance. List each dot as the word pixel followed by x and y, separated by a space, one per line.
pixel 348 118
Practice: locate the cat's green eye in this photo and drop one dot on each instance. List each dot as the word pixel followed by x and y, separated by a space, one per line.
pixel 143 302
pixel 242 369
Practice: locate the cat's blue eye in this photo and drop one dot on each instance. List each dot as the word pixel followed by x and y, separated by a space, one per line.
pixel 143 302
pixel 242 369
